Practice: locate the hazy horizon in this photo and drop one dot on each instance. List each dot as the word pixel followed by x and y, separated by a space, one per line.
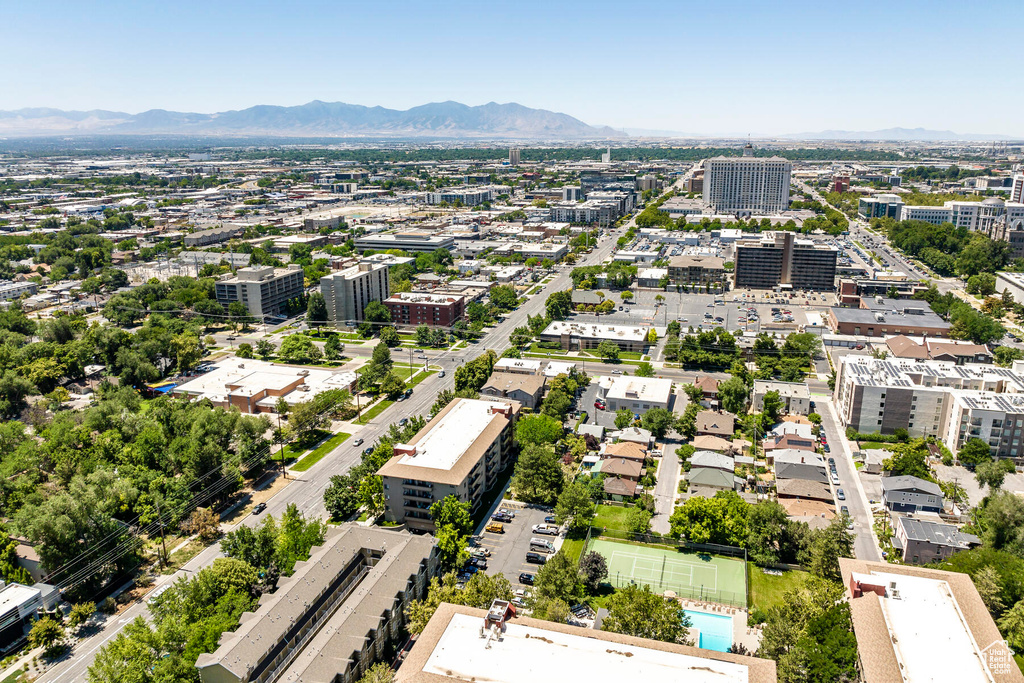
pixel 727 69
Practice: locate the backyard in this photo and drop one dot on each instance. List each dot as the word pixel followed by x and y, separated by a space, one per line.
pixel 767 590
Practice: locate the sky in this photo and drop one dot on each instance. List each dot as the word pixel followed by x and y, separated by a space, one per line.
pixel 715 67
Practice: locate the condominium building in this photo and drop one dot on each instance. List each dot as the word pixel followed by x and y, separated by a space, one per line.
pixel 15 290
pixel 464 196
pixel 747 185
pixel 1017 189
pixel 347 292
pixel 263 289
pixel 590 212
pixel 917 624
pixel 410 309
pixel 201 238
pixel 406 241
pixel 696 270
pixel 331 620
pixel 461 452
pixel 496 645
pixel 954 403
pixel 779 258
pixel 515 157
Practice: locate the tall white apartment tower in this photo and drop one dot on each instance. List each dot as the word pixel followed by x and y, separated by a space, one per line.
pixel 514 157
pixel 1017 190
pixel 747 184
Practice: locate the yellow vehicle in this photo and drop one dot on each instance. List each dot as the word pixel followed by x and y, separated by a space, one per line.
pixel 495 527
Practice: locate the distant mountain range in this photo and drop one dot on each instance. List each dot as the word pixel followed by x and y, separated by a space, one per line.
pixel 898 134
pixel 315 119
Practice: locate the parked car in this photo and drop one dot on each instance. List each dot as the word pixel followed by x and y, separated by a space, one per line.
pixel 367 451
pixel 499 517
pixel 478 562
pixel 357 442
pixel 840 494
pixel 550 519
pixel 479 552
pixel 827 449
pixel 495 528
pixel 599 405
pixel 548 529
pixel 518 601
pixel 260 507
pixel 536 558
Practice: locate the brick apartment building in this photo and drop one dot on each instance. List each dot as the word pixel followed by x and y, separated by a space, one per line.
pixel 410 309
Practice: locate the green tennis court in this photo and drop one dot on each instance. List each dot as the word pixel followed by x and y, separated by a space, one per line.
pixel 689 574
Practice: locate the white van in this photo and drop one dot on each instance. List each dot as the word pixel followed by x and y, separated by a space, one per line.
pixel 542 544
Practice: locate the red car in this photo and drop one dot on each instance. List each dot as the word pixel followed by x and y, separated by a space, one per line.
pixel 599 405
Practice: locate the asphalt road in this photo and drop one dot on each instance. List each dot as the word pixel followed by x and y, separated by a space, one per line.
pixel 306 491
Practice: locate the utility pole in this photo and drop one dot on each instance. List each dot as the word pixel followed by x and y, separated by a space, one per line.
pixel 162 541
pixel 284 472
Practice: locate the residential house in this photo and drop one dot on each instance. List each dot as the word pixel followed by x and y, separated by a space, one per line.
pixel 710 459
pixel 716 423
pixel 712 478
pixel 528 390
pixel 796 396
pixel 923 542
pixel 627 450
pixel 620 489
pixel 790 441
pixel 911 494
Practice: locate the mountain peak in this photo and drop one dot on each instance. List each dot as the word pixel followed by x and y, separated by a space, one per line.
pixel 314 119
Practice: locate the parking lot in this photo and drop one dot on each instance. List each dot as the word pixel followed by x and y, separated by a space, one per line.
pixel 508 550
pixel 806 310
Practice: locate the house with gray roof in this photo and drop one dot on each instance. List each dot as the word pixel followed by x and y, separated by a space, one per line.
pixel 911 494
pixel 922 542
pixel 713 460
pixel 711 478
pixel 796 470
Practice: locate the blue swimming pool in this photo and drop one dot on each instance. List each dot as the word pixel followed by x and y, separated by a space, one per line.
pixel 715 630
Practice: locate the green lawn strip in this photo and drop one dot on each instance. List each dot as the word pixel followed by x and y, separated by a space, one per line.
pixel 322 450
pixel 327 364
pixel 373 412
pixel 767 590
pixel 573 547
pixel 14 677
pixel 611 517
pixel 416 379
pixel 875 445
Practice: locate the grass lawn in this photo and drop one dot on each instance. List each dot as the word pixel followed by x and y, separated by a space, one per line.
pixel 321 450
pixel 872 445
pixel 611 517
pixel 373 412
pixel 14 677
pixel 534 348
pixel 573 547
pixel 402 371
pixel 420 377
pixel 630 355
pixel 179 558
pixel 767 590
pixel 535 290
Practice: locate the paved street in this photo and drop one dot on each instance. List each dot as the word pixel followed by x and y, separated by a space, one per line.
pixel 307 490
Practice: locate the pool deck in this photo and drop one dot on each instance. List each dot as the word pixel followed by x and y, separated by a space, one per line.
pixel 749 637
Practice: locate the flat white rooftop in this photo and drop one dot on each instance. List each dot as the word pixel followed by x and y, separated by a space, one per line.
pixel 924 620
pixel 452 436
pixel 592 331
pixel 527 655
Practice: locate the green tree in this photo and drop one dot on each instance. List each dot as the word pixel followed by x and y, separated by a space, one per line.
pixel 608 350
pixel 80 614
pixel 636 611
pixel 974 453
pixel 638 520
pixel 538 429
pixel 378 673
pixel 538 475
pixel 623 418
pixel 244 351
pixel 909 459
pixel 767 523
pixel 371 494
pixel 657 421
pixel 316 309
pixel 644 369
pixel 733 393
pixel 298 348
pixel 593 570
pixel 575 507
pixel 454 513
pixel 772 406
pixel 392 385
pixel 721 519
pixel 830 544
pixel 265 348
pixel 451 547
pixel 1012 626
pixel 989 585
pixel 389 336
pixel 557 579
pixel 990 474
pixel 46 633
pixel 559 305
pixel 687 422
pixel 333 348
pixel 504 297
pixel 376 312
